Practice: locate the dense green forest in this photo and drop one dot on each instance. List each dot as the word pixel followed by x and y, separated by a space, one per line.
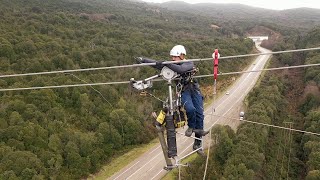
pixel 284 98
pixel 310 108
pixel 68 133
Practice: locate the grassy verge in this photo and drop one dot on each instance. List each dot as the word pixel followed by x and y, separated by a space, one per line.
pixel 120 162
pixel 173 173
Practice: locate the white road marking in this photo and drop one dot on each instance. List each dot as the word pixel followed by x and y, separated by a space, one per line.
pixel 126 170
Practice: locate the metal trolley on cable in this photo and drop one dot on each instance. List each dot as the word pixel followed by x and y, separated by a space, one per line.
pixel 170 117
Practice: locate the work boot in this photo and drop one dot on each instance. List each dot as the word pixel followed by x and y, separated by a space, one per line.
pixel 200 132
pixel 189 132
pixel 197 146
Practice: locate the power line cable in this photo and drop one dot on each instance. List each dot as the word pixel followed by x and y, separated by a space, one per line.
pixel 257 54
pixel 127 82
pixel 270 125
pixel 284 153
pixel 92 88
pixel 75 70
pixel 150 64
pixel 267 69
pixel 64 86
pixel 278 153
pixel 290 141
pixel 112 107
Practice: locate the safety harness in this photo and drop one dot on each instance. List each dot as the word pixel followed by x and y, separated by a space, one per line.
pixel 183 82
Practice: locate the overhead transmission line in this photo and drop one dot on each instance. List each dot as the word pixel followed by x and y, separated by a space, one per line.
pixel 269 125
pixel 290 141
pixel 280 127
pixel 64 86
pixel 150 64
pixel 127 82
pixel 104 98
pixel 282 133
pixel 284 152
pixel 267 69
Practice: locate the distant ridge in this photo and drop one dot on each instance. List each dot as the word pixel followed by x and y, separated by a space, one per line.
pixel 298 17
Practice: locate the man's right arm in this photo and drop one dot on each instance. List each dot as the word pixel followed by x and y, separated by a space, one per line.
pixel 147 60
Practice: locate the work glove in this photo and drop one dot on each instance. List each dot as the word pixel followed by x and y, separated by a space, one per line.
pixel 159 65
pixel 139 60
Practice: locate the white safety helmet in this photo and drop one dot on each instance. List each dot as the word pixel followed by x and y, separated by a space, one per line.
pixel 177 50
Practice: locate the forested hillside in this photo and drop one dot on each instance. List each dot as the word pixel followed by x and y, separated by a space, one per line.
pixel 310 108
pixel 241 17
pixel 68 133
pixel 288 98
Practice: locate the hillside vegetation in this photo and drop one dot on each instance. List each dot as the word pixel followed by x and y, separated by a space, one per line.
pixel 242 18
pixel 310 108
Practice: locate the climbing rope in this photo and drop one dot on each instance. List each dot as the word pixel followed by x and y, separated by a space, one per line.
pixel 216 57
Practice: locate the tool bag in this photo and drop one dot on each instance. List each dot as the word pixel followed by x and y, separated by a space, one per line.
pixel 179 118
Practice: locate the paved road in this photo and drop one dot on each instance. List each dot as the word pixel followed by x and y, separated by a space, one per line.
pixel 150 164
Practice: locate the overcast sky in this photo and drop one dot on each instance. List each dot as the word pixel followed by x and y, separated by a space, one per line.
pixel 268 4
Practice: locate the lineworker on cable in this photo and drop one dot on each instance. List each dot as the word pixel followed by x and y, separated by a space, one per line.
pixel 191 97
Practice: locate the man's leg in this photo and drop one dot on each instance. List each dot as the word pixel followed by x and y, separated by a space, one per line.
pixel 198 103
pixel 197 100
pixel 190 110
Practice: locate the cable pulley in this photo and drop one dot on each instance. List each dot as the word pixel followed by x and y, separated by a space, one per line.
pixel 140 85
pixel 167 74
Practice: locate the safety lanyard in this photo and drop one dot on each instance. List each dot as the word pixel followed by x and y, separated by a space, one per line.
pixel 215 56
